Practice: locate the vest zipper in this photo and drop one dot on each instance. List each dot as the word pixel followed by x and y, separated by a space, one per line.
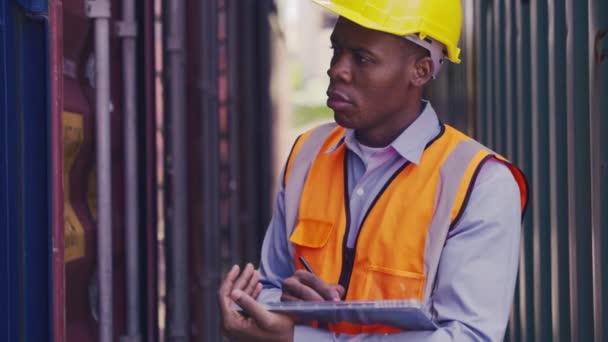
pixel 347 257
pixel 348 254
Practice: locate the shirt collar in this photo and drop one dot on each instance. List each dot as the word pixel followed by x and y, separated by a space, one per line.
pixel 410 144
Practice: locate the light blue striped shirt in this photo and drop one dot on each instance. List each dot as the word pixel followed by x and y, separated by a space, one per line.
pixel 478 265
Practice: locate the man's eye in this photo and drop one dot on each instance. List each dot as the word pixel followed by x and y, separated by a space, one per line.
pixel 361 59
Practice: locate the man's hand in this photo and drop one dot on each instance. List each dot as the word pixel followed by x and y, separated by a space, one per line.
pixel 305 286
pixel 261 325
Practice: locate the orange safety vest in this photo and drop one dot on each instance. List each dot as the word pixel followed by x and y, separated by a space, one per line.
pixel 399 243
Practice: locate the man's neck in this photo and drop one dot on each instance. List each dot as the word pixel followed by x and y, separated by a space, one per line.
pixel 385 135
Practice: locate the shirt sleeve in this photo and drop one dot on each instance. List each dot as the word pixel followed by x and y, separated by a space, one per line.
pixel 477 270
pixel 276 263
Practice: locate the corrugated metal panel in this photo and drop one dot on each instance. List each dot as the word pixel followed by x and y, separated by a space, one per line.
pixel 24 176
pixel 8 188
pixel 540 89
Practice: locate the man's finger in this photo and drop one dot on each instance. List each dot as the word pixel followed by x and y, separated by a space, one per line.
pixel 257 291
pixel 295 288
pixel 223 294
pixel 326 291
pixel 253 283
pixel 285 297
pixel 228 281
pixel 255 310
pixel 340 289
pixel 243 280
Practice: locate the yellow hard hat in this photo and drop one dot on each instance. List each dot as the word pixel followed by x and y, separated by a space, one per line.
pixel 440 20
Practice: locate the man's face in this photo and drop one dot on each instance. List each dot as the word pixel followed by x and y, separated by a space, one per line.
pixel 370 75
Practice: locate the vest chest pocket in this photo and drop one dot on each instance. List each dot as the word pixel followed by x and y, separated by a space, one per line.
pixel 311 233
pixel 383 283
pixel 316 242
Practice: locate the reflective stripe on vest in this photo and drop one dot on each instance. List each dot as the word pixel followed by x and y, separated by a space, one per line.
pixel 399 243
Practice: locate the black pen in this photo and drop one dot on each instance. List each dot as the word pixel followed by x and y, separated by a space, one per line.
pixel 306 265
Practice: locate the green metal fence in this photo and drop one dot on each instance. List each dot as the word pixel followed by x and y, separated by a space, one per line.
pixel 534 87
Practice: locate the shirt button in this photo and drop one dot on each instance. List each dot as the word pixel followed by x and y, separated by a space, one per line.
pixel 360 192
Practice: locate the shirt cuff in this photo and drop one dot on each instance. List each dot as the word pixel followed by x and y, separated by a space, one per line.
pixel 270 295
pixel 302 333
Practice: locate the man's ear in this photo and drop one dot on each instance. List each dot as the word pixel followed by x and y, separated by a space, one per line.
pixel 422 71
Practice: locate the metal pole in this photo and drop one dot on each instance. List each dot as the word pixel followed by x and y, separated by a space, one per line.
pixel 99 10
pixel 56 57
pixel 178 307
pixel 127 30
pixel 233 114
pixel 210 130
pixel 598 84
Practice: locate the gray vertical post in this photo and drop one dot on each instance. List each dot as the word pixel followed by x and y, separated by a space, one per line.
pixel 470 45
pixel 482 59
pixel 540 182
pixel 489 74
pixel 233 113
pixel 249 107
pixel 598 97
pixel 525 162
pixel 557 172
pixel 99 10
pixel 211 160
pixel 497 111
pixel 579 204
pixel 178 289
pixel 511 120
pixel 127 30
pixel 510 77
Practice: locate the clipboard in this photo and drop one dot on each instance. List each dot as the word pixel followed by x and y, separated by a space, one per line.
pixel 403 314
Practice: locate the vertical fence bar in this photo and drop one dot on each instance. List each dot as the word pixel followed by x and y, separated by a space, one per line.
pixel 471 61
pixel 558 167
pixel 510 81
pixel 598 96
pixel 233 114
pixel 499 76
pixel 526 275
pixel 511 119
pixel 489 74
pixel 540 181
pixel 56 107
pixel 211 165
pixel 264 114
pixel 100 11
pixel 581 289
pixel 247 106
pixel 481 81
pixel 128 33
pixel 178 308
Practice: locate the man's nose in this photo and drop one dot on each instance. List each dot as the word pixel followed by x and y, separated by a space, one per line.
pixel 340 70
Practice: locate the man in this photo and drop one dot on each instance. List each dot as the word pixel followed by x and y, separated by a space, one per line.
pixel 389 203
